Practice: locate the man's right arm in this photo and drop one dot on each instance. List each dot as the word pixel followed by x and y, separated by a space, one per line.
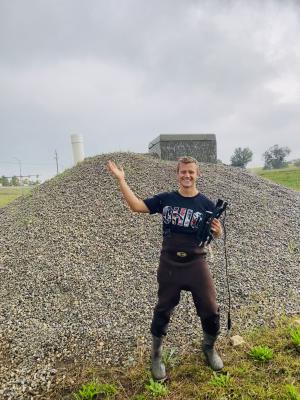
pixel 135 204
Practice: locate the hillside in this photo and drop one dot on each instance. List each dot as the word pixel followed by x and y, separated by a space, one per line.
pixel 289 177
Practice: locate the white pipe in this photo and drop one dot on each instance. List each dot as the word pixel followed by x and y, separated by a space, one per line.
pixel 77 146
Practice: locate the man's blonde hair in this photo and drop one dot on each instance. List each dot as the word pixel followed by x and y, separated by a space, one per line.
pixel 187 160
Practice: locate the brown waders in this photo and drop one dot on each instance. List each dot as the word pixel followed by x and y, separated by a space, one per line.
pixel 183 266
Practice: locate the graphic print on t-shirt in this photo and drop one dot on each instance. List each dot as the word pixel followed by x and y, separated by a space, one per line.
pixel 181 216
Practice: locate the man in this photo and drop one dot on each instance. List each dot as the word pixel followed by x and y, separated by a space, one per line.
pixel 183 263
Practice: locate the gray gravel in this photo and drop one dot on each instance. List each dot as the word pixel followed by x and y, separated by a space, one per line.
pixel 78 269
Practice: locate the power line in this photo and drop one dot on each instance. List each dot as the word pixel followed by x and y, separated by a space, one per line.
pixel 20 167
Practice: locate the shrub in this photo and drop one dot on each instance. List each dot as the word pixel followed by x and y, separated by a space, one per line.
pixel 169 358
pixel 261 353
pixel 156 389
pixel 295 335
pixel 292 392
pixel 92 389
pixel 221 380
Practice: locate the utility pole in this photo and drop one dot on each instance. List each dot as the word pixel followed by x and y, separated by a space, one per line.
pixel 56 158
pixel 20 168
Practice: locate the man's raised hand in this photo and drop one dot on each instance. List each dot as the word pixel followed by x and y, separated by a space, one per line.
pixel 135 204
pixel 117 172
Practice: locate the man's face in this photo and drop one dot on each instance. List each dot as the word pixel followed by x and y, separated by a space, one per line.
pixel 187 175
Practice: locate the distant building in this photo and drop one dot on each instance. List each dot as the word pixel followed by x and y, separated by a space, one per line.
pixel 203 147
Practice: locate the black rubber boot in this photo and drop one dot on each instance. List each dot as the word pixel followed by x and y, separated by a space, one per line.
pixel 158 368
pixel 212 357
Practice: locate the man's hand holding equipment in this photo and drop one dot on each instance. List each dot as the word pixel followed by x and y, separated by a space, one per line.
pixel 212 226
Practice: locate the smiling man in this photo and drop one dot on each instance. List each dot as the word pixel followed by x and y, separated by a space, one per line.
pixel 182 263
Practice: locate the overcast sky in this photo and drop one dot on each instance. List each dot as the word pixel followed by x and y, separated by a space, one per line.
pixel 122 72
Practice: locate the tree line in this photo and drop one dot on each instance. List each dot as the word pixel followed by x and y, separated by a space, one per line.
pixel 274 157
pixel 15 181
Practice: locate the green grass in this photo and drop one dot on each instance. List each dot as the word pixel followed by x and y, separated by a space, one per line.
pixel 295 335
pixel 189 378
pixel 289 177
pixel 261 353
pixel 8 194
pixel 92 389
pixel 292 392
pixel 220 380
pixel 156 389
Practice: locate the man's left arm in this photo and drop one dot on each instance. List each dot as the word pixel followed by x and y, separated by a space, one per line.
pixel 216 228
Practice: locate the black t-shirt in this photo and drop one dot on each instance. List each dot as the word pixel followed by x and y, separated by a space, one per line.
pixel 180 214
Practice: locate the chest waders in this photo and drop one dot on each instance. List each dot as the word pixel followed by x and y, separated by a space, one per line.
pixel 183 266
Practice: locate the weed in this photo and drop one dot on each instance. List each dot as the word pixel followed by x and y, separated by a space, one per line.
pixel 295 335
pixel 27 222
pixel 292 392
pixel 292 248
pixel 92 389
pixel 169 357
pixel 156 389
pixel 220 380
pixel 130 361
pixel 261 353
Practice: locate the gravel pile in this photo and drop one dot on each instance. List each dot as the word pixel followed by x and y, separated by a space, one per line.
pixel 78 269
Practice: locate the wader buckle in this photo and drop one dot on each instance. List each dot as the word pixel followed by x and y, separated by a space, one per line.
pixel 181 254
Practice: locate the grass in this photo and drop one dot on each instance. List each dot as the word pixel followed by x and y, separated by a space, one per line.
pixel 295 335
pixel 292 393
pixel 289 177
pixel 261 353
pixel 189 378
pixel 220 380
pixel 156 389
pixel 8 194
pixel 169 357
pixel 92 389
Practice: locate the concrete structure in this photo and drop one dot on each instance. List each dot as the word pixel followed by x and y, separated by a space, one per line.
pixel 77 146
pixel 203 147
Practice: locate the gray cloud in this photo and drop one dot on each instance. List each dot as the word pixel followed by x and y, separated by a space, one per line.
pixel 120 73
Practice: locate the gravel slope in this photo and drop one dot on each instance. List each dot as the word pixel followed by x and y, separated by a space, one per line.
pixel 78 269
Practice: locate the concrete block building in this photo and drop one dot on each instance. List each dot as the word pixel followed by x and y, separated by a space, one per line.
pixel 203 147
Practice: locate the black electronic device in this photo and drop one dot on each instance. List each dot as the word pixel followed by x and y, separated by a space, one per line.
pixel 205 235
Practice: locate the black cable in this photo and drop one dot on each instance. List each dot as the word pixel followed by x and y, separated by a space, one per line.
pixel 229 324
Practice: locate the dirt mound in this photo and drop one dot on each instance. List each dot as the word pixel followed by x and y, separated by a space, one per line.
pixel 78 268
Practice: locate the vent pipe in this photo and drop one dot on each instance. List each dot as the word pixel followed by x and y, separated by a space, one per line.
pixel 77 146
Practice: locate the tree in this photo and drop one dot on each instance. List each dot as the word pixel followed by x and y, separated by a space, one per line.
pixel 241 157
pixel 15 181
pixel 4 181
pixel 275 157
